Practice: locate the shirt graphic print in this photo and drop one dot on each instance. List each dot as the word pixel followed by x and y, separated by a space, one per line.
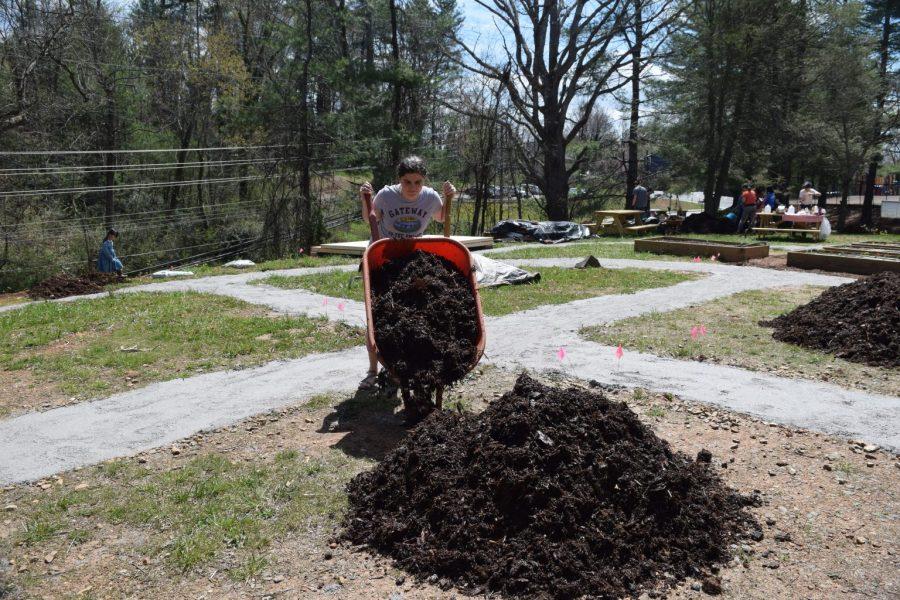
pixel 402 219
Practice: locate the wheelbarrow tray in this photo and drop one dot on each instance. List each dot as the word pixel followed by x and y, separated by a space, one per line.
pixel 389 249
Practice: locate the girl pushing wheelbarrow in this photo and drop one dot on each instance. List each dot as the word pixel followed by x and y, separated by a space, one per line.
pixel 421 294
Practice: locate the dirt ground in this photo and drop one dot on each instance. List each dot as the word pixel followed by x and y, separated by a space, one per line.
pixel 831 516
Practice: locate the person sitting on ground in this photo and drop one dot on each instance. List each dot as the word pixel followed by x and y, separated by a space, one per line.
pixel 402 211
pixel 640 199
pixel 748 214
pixel 108 262
pixel 807 196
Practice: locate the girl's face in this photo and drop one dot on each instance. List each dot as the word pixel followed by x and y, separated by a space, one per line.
pixel 411 186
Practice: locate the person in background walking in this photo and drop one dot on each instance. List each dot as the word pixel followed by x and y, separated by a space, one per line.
pixel 748 214
pixel 640 199
pixel 108 262
pixel 808 195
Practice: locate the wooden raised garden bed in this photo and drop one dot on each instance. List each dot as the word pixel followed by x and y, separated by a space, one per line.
pixel 860 258
pixel 725 251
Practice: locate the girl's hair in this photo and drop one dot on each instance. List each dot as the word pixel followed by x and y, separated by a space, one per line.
pixel 110 232
pixel 769 189
pixel 412 164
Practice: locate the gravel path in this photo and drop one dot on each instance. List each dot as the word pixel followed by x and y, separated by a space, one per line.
pixel 39 444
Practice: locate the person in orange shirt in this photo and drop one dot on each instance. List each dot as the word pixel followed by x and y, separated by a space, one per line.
pixel 748 214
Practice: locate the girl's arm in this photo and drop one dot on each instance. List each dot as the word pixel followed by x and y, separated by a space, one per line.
pixel 449 193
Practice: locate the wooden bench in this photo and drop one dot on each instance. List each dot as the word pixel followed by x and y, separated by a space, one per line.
pixel 768 231
pixel 640 228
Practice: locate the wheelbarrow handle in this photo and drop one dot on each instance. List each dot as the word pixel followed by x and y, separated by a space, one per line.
pixel 373 222
pixel 448 201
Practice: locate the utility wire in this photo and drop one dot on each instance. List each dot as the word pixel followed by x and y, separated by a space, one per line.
pixel 146 151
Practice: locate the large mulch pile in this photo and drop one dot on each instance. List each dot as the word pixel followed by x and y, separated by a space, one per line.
pixel 857 321
pixel 426 321
pixel 704 223
pixel 549 493
pixel 63 285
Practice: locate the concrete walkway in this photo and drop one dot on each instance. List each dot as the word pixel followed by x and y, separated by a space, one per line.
pixel 39 444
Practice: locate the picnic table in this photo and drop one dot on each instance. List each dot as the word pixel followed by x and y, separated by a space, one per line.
pixel 618 220
pixel 800 225
pixel 767 219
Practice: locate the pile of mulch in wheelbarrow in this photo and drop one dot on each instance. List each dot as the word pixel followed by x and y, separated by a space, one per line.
pixel 549 493
pixel 64 285
pixel 426 321
pixel 857 321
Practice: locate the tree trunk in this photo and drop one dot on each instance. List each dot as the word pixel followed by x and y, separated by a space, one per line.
pixel 842 212
pixel 556 182
pixel 884 53
pixel 631 175
pixel 306 212
pixel 180 158
pixel 396 105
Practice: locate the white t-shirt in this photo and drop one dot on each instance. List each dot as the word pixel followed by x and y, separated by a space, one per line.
pixel 807 196
pixel 402 219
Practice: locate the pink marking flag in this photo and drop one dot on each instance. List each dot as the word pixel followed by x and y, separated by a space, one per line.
pixel 341 306
pixel 301 250
pixel 695 331
pixel 696 259
pixel 619 352
pixel 703 330
pixel 325 301
pixel 714 257
pixel 561 353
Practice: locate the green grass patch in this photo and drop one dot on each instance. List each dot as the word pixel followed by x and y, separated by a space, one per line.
pixel 208 506
pixel 99 346
pixel 557 286
pixel 603 249
pixel 295 262
pixel 734 337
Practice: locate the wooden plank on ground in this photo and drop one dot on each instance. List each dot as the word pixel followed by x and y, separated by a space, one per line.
pixel 357 248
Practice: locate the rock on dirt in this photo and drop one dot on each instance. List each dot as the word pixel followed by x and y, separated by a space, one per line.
pixel 857 321
pixel 605 511
pixel 63 285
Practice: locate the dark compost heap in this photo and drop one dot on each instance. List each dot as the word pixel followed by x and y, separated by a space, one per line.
pixel 857 321
pixel 704 223
pixel 549 493
pixel 63 285
pixel 426 321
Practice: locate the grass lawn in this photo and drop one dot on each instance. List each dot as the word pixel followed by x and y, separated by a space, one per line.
pixel 735 338
pixel 211 509
pixel 97 347
pixel 556 286
pixel 269 265
pixel 600 249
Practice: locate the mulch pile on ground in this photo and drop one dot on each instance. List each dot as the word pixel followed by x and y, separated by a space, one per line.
pixel 64 285
pixel 858 321
pixel 549 493
pixel 704 223
pixel 426 321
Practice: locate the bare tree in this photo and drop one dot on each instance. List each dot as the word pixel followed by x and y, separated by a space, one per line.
pixel 563 51
pixel 648 19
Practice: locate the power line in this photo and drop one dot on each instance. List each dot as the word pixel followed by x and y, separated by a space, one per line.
pixel 150 151
pixel 146 212
pixel 131 186
pixel 44 171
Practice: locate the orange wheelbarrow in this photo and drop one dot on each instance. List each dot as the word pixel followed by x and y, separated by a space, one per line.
pixel 384 250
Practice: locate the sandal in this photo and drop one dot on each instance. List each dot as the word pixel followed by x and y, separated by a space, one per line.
pixel 369 382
